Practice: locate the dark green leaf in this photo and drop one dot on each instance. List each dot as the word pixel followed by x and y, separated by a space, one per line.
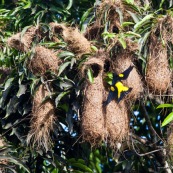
pixel 60 96
pixel 63 67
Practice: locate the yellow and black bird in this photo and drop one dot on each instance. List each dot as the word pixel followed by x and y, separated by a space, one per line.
pixel 117 90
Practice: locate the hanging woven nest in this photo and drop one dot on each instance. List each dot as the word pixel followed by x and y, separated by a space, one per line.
pixel 93 127
pixel 43 60
pixel 117 123
pixel 77 43
pixel 42 122
pixel 24 42
pixel 121 63
pixel 158 75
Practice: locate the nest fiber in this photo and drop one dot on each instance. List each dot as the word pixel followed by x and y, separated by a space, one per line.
pixel 93 119
pixel 42 122
pixel 77 43
pixel 43 60
pixel 117 122
pixel 158 75
pixel 23 42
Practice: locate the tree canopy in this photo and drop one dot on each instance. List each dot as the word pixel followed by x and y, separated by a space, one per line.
pixel 86 86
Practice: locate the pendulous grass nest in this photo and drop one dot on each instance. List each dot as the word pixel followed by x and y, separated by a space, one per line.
pixel 76 41
pixel 42 121
pixel 93 129
pixel 23 42
pixel 158 75
pixel 43 60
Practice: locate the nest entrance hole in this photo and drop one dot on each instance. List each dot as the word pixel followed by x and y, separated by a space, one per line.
pixel 58 29
pixel 107 66
pixel 95 69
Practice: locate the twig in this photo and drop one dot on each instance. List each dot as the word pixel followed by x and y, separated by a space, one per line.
pixel 147 153
pixel 150 127
pixel 141 140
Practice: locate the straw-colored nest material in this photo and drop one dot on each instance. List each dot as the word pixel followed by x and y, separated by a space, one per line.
pixel 117 122
pixel 93 129
pixel 170 141
pixel 112 7
pixel 23 42
pixel 158 75
pixel 43 60
pixel 42 122
pixel 77 43
pixel 3 161
pixel 165 27
pixel 122 62
pixel 94 32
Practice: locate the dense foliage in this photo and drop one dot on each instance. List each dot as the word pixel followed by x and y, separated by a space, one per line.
pixel 146 146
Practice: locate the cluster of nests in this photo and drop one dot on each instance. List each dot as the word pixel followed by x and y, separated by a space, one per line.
pixel 99 123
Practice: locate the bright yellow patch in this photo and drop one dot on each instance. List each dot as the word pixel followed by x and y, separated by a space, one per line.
pixel 112 88
pixel 121 88
pixel 121 75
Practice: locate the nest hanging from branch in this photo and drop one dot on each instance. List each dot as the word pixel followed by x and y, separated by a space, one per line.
pixel 93 129
pixel 24 42
pixel 42 122
pixel 117 123
pixel 43 60
pixel 77 43
pixel 158 75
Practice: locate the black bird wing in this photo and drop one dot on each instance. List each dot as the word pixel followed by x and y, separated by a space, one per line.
pixel 123 94
pixel 111 96
pixel 125 74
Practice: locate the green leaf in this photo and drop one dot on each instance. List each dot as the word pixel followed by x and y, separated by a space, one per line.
pixel 165 106
pixel 94 48
pixel 90 75
pixel 16 162
pixel 134 16
pixel 132 34
pixel 24 31
pixel 73 61
pixel 63 67
pixel 22 90
pixel 8 83
pixel 84 22
pixel 168 119
pixel 65 54
pixel 123 42
pixel 28 5
pixel 143 21
pixel 69 5
pixel 60 96
pixel 82 167
pixel 124 24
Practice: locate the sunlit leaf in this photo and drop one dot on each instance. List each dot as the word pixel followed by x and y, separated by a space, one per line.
pixel 63 67
pixel 22 90
pixel 168 119
pixel 90 75
pixel 165 106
